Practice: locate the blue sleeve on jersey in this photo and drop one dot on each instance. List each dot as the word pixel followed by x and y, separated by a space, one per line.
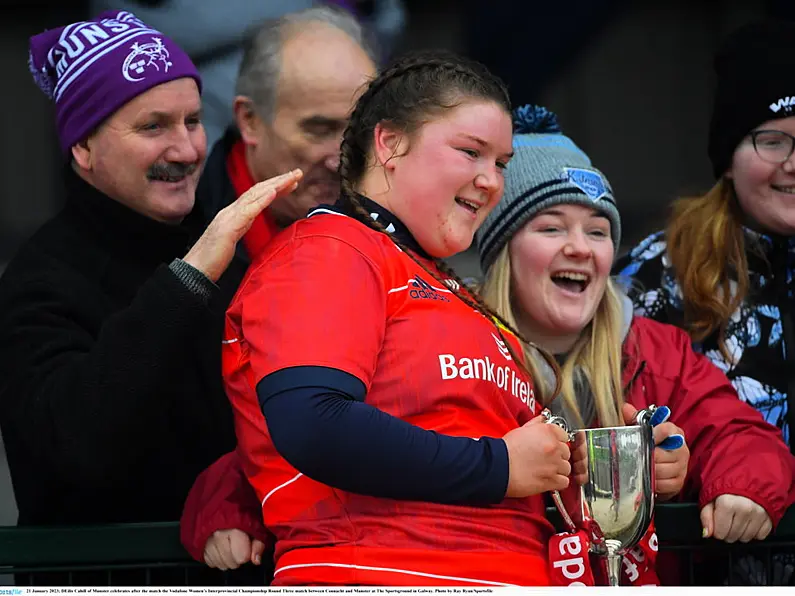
pixel 319 423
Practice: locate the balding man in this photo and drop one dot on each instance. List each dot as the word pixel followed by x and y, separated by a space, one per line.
pixel 299 79
pixel 297 84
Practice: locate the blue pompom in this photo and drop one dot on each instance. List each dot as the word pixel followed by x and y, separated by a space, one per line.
pixel 530 119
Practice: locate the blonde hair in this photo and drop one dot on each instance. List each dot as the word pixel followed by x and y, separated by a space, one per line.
pixel 596 355
pixel 706 246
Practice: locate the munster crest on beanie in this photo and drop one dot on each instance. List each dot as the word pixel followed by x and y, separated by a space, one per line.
pixel 92 68
pixel 546 169
pixel 754 84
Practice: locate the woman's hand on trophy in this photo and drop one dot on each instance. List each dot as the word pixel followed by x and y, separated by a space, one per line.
pixel 732 518
pixel 671 454
pixel 670 465
pixel 579 459
pixel 538 459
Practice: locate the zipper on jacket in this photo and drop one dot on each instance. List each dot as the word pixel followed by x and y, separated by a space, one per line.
pixel 634 378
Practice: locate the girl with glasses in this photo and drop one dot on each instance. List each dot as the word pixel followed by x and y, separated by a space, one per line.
pixel 723 267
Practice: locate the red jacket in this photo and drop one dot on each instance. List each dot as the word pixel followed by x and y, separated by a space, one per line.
pixel 733 450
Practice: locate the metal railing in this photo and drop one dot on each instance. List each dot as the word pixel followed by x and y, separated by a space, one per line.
pixel 142 554
pixel 689 559
pixel 151 554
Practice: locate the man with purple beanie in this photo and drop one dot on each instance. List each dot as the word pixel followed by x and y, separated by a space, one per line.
pixel 111 400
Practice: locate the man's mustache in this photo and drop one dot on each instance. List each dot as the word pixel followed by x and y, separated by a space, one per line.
pixel 170 171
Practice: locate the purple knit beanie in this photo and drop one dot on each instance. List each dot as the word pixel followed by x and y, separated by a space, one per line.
pixel 92 68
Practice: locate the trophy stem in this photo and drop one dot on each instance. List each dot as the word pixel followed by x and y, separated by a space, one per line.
pixel 613 570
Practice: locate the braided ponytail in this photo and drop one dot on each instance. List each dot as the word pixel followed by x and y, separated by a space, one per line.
pixel 406 94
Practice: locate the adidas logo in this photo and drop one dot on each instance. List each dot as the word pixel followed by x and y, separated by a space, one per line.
pixel 421 289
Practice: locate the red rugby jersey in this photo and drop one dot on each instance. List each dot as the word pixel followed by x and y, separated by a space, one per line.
pixel 331 292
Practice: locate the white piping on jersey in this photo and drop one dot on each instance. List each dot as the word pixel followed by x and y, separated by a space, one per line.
pixel 316 211
pixel 400 289
pixel 281 486
pixel 390 570
pixel 406 287
pixel 390 228
pixel 320 210
pixel 234 340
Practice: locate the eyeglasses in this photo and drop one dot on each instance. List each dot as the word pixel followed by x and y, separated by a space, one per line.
pixel 773 146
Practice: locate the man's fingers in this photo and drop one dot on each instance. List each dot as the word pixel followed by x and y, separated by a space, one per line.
pixel 260 198
pixel 246 212
pixel 275 184
pixel 266 194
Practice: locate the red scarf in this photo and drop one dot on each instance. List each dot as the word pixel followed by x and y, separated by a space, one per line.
pixel 264 228
pixel 570 564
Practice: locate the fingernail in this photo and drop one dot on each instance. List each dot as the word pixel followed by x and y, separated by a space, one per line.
pixel 672 443
pixel 660 415
pixel 257 559
pixel 704 533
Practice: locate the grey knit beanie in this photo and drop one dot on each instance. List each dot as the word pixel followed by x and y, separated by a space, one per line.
pixel 547 169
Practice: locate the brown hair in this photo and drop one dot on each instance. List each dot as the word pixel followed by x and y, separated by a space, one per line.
pixel 706 246
pixel 405 95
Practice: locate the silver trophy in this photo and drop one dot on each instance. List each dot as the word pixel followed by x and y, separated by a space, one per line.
pixel 611 494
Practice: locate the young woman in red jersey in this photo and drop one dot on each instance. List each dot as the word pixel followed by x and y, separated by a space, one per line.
pixel 383 417
pixel 547 250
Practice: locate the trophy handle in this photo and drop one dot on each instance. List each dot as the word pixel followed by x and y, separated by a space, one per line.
pixel 549 418
pixel 556 498
pixel 645 416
